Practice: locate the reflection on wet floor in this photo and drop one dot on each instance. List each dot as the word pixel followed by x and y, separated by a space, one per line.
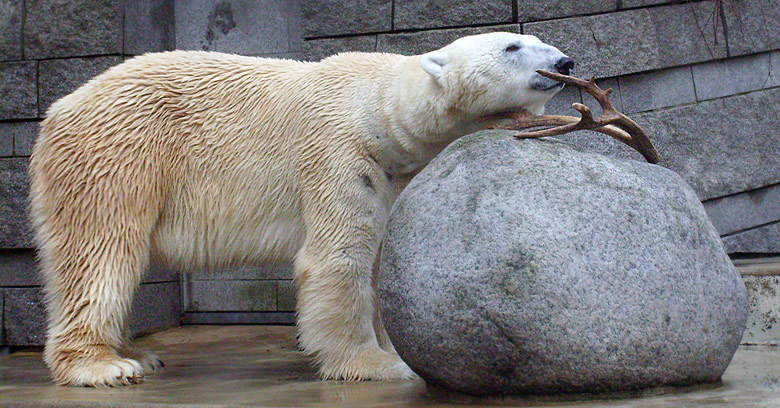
pixel 260 366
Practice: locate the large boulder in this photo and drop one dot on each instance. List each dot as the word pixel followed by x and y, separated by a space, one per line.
pixel 528 266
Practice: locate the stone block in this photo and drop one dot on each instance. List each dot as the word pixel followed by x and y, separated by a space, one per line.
pixel 19 268
pixel 315 50
pixel 322 18
pixel 731 76
pixel 424 41
pixel 23 135
pixel 546 10
pixel 230 296
pixel 158 273
pixel 235 318
pixel 25 317
pixel 149 26
pixel 745 210
pixel 59 77
pixel 285 296
pixel 156 306
pixel 561 103
pixel 765 239
pixel 657 89
pixel 720 146
pixel 632 41
pixel 19 89
pixel 265 271
pixel 60 28
pixel 2 322
pixel 237 26
pixel 10 30
pixel 15 231
pixel 6 142
pixel 752 25
pixel 417 14
pixel 763 324
pixel 641 3
pixel 774 69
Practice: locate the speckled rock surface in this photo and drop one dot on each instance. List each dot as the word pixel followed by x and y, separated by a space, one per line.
pixel 514 267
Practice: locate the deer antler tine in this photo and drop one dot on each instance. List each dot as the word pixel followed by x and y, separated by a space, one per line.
pixel 611 122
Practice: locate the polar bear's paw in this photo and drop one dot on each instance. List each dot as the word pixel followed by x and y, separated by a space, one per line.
pixel 95 367
pixel 149 361
pixel 371 364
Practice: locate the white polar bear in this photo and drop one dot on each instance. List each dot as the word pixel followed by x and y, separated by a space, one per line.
pixel 203 159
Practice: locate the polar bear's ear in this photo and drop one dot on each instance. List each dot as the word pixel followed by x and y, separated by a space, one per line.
pixel 434 63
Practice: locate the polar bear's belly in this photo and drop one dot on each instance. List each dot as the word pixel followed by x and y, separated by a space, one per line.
pixel 216 223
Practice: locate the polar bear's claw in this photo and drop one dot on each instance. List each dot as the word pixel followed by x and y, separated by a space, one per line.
pixel 105 373
pixel 149 361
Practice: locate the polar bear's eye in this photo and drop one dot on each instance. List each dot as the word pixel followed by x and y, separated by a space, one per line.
pixel 512 48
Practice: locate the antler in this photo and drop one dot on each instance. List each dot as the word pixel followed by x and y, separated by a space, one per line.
pixel 611 122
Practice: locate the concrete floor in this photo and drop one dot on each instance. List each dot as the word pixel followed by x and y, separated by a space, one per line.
pixel 210 366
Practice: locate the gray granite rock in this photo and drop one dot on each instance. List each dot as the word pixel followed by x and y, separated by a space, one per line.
pixel 25 317
pixel 546 9
pixel 238 26
pixel 10 30
pixel 19 89
pixel 19 268
pixel 636 40
pixel 315 50
pixel 15 231
pixel 323 18
pixel 156 306
pixel 230 296
pixel 416 14
pixel 531 267
pixel 149 26
pixel 765 239
pixel 59 77
pixel 72 28
pixel 425 41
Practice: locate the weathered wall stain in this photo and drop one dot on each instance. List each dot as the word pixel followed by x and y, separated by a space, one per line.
pixel 220 23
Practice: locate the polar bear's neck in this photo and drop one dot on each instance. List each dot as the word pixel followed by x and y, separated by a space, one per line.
pixel 416 120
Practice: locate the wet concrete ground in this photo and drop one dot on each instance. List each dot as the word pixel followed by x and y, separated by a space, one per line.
pixel 221 366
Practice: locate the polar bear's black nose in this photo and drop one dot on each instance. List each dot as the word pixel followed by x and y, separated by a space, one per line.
pixel 564 65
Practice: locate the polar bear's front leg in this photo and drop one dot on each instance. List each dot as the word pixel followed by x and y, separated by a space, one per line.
pixel 345 220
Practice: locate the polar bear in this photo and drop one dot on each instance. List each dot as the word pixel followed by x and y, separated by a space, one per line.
pixel 202 159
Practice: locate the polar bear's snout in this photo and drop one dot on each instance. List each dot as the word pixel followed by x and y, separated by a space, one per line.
pixel 564 65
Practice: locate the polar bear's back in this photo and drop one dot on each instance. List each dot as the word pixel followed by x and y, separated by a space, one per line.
pixel 171 142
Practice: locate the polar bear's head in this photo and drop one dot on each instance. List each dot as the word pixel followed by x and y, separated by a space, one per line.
pixel 496 72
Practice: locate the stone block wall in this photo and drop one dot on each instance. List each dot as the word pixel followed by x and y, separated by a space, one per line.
pixel 48 48
pixel 704 81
